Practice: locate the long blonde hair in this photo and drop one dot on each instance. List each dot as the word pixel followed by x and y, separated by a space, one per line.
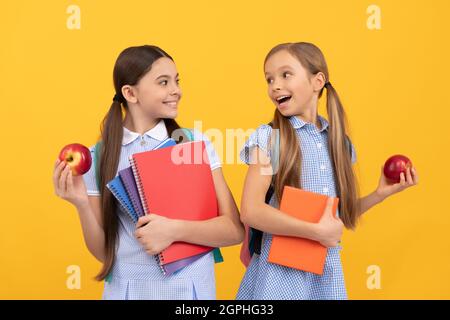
pixel 289 170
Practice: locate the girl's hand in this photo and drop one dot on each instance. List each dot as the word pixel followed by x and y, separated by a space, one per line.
pixel 386 188
pixel 155 233
pixel 69 187
pixel 329 229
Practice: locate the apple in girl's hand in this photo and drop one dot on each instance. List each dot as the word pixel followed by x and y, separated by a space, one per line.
pixel 78 157
pixel 396 165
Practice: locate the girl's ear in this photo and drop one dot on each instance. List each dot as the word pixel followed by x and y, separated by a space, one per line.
pixel 129 93
pixel 319 81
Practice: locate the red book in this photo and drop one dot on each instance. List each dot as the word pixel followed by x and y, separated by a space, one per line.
pixel 299 253
pixel 176 182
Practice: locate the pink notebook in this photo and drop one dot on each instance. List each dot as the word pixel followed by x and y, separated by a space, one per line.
pixel 176 182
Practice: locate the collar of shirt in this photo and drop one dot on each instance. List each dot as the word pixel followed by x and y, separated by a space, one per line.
pixel 158 132
pixel 299 123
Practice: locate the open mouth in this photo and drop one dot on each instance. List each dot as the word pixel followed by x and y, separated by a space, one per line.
pixel 283 99
pixel 171 103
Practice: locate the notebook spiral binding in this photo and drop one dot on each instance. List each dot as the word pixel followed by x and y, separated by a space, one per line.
pixel 132 199
pixel 139 184
pixel 121 200
pixel 160 263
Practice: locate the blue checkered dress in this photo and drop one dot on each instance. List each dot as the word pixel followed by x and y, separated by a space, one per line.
pixel 264 280
pixel 135 274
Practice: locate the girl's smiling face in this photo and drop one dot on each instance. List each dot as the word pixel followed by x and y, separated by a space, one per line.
pixel 289 84
pixel 158 91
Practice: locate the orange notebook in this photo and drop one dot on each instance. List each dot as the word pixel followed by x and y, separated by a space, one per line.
pixel 299 253
pixel 176 182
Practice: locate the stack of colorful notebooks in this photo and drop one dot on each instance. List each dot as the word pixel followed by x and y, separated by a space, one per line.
pixel 172 180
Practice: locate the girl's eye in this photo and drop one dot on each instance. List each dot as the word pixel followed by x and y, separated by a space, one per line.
pixel 269 80
pixel 286 74
pixel 178 81
pixel 164 82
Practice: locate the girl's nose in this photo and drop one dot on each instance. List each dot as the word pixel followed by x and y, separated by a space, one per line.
pixel 176 92
pixel 276 88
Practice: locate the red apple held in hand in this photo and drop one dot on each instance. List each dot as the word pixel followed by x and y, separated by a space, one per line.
pixel 396 165
pixel 78 157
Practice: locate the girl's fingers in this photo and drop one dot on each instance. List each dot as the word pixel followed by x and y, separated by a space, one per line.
pixel 69 182
pixel 329 207
pixel 140 223
pixel 415 176
pixel 57 162
pixel 402 179
pixel 58 175
pixel 143 220
pixel 63 179
pixel 57 172
pixel 409 177
pixel 68 172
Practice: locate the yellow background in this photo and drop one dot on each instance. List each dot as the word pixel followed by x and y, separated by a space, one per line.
pixel 56 86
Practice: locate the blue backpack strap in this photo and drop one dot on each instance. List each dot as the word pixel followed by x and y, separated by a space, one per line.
pixel 188 134
pixel 217 254
pixel 97 148
pixel 218 258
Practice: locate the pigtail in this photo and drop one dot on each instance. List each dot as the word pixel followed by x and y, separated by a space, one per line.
pixel 112 134
pixel 341 159
pixel 289 169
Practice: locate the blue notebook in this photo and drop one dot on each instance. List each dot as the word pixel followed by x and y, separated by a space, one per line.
pixel 166 143
pixel 118 190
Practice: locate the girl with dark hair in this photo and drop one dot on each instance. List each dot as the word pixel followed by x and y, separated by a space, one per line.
pixel 141 116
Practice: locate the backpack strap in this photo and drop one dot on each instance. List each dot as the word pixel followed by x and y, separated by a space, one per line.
pixel 188 134
pixel 97 148
pixel 349 145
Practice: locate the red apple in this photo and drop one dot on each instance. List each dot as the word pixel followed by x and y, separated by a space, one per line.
pixel 396 165
pixel 78 157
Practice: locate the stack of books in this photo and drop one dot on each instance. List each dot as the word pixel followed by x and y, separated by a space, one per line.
pixel 172 180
